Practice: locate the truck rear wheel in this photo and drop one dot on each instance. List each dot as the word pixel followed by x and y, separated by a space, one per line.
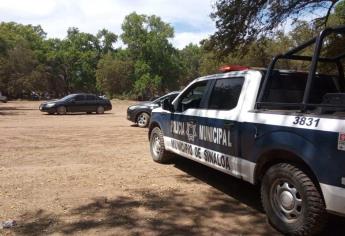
pixel 157 148
pixel 292 202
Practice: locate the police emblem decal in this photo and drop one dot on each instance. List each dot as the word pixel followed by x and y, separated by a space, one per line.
pixel 191 131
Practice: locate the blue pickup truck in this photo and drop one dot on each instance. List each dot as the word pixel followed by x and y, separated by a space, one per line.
pixel 283 130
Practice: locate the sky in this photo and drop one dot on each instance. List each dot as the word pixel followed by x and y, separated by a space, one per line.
pixel 190 18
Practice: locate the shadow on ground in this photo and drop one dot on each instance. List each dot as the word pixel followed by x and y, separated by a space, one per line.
pixel 167 214
pixel 231 207
pixel 79 114
pixel 12 111
pixel 7 108
pixel 240 190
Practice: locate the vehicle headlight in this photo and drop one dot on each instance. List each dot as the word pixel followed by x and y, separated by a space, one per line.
pixel 131 108
pixel 50 104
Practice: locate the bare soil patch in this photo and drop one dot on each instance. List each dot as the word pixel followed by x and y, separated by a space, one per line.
pixel 92 174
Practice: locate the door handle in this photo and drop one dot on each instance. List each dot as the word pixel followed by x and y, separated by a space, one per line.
pixel 228 124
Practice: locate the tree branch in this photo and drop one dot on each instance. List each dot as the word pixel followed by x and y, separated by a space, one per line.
pixel 329 11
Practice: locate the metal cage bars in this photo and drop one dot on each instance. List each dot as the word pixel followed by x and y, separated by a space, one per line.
pixel 315 58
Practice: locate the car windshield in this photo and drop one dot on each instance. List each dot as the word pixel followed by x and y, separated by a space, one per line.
pixel 173 95
pixel 67 97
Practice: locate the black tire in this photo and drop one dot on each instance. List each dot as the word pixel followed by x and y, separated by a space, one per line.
pixel 143 120
pixel 157 148
pixel 61 110
pixel 100 110
pixel 293 204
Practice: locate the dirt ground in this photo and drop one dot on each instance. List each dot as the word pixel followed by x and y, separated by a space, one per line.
pixel 92 174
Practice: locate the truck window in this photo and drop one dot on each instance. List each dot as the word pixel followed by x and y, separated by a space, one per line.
pixel 289 87
pixel 226 93
pixel 192 97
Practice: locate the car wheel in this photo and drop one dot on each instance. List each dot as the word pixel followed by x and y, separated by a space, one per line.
pixel 100 110
pixel 157 148
pixel 51 113
pixel 61 110
pixel 292 202
pixel 143 120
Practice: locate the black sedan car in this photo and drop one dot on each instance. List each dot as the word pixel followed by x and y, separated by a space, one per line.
pixel 77 103
pixel 140 113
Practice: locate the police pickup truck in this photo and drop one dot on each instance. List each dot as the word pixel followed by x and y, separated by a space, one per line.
pixel 283 130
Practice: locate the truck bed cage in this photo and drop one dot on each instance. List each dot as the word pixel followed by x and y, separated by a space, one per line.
pixel 315 58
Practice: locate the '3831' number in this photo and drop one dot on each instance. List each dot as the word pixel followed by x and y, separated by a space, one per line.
pixel 306 121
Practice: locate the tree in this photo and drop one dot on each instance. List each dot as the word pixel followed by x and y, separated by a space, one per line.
pixel 22 67
pixel 114 75
pixel 106 40
pixel 239 23
pixel 146 83
pixel 147 39
pixel 56 68
pixel 75 58
pixel 21 72
pixel 190 57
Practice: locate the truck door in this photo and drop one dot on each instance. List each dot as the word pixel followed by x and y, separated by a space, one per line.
pixel 223 109
pixel 205 126
pixel 184 121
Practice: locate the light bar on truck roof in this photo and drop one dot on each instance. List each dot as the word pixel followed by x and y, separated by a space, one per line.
pixel 229 68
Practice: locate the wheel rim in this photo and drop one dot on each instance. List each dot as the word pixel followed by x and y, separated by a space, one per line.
pixel 100 110
pixel 142 120
pixel 61 110
pixel 286 201
pixel 156 145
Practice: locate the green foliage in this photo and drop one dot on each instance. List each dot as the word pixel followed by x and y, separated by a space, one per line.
pixel 106 40
pixel 148 65
pixel 114 75
pixel 143 34
pixel 21 58
pixel 190 58
pixel 146 84
pixel 147 39
pixel 240 23
pixel 29 62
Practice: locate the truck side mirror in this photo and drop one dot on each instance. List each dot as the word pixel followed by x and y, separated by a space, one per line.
pixel 166 105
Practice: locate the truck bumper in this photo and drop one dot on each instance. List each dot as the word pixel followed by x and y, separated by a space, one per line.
pixel 334 198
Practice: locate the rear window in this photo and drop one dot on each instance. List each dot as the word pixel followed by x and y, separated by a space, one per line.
pixel 290 88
